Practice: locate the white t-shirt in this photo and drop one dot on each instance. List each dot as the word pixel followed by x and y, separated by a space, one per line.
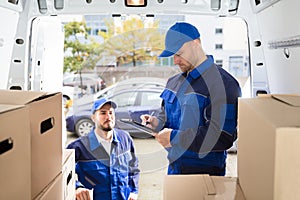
pixel 105 143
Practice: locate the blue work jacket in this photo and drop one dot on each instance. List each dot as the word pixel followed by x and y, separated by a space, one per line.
pixel 201 108
pixel 111 177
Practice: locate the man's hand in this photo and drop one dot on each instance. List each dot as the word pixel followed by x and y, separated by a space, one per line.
pixel 133 196
pixel 82 194
pixel 149 121
pixel 163 137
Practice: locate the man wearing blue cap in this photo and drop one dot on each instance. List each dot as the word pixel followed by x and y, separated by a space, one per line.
pixel 105 158
pixel 198 122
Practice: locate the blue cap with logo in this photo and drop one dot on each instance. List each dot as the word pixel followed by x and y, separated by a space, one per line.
pixel 100 102
pixel 177 35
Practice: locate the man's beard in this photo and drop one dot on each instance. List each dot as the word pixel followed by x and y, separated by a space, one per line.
pixel 108 128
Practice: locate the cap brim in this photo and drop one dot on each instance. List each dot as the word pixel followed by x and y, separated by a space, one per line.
pixel 113 104
pixel 166 53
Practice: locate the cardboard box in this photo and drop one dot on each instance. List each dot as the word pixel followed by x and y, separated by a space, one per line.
pixel 69 176
pixel 201 186
pixel 53 191
pixel 45 118
pixel 287 164
pixel 268 151
pixel 15 166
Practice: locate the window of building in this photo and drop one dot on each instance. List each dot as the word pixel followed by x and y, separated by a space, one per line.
pixel 219 62
pixel 236 65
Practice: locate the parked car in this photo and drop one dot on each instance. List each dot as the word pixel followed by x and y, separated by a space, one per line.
pixel 132 102
pixel 137 82
pixel 85 81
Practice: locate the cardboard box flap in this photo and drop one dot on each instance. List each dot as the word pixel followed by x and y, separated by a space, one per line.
pixel 19 97
pixel 201 186
pixel 227 188
pixel 292 100
pixel 183 187
pixel 211 190
pixel 273 109
pixel 4 107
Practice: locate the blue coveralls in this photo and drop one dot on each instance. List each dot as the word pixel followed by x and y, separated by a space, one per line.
pixel 112 177
pixel 201 108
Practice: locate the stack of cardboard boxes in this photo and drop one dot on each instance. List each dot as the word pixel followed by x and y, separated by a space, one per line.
pixel 31 151
pixel 269 146
pixel 268 156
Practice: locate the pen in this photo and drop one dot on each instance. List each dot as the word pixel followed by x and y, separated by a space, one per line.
pixel 149 117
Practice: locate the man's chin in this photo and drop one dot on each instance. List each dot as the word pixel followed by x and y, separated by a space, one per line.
pixel 107 129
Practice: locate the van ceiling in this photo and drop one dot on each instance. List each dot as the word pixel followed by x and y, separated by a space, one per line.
pixel 56 7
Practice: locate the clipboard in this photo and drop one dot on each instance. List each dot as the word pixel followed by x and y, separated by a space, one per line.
pixel 138 126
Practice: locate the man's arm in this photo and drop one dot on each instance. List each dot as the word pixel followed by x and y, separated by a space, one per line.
pixel 134 173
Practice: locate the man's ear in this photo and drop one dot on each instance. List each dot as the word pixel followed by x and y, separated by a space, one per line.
pixel 93 118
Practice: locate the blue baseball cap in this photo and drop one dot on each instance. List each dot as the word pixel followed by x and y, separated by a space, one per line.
pixel 100 102
pixel 177 35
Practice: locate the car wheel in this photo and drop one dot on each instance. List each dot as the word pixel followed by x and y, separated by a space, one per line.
pixel 83 127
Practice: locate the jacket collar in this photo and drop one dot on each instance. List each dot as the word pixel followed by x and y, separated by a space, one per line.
pixel 94 144
pixel 198 71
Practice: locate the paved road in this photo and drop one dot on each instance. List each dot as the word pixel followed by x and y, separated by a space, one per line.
pixel 153 165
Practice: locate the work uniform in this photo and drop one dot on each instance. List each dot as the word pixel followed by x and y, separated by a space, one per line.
pixel 112 176
pixel 201 108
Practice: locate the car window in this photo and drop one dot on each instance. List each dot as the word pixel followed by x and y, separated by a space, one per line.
pixel 77 78
pixel 86 79
pixel 150 99
pixel 125 99
pixel 68 80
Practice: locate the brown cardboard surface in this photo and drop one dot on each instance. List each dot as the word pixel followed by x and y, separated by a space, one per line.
pixel 292 100
pixel 287 164
pixel 69 176
pixel 15 157
pixel 46 146
pixel 45 119
pixel 201 186
pixel 258 121
pixel 53 191
pixel 19 97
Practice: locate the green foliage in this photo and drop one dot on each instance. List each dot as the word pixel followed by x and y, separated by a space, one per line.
pixel 79 54
pixel 130 41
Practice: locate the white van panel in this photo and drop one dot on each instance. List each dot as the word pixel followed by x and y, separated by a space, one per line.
pixel 7 39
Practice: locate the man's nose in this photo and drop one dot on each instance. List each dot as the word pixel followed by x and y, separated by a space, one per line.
pixel 176 59
pixel 109 116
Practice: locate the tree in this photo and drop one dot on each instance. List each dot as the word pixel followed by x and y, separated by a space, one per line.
pixel 79 47
pixel 132 41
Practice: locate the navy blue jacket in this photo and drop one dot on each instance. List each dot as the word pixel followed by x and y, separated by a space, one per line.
pixel 112 177
pixel 201 108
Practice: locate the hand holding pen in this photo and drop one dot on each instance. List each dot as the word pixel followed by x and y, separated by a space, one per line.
pixel 163 136
pixel 149 120
pixel 149 117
